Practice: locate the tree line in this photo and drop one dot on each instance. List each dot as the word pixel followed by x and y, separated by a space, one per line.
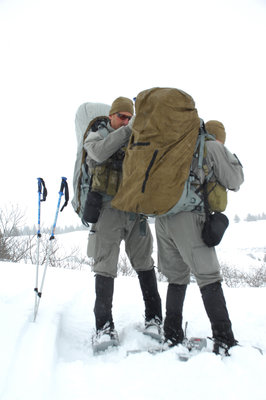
pixel 251 217
pixel 18 243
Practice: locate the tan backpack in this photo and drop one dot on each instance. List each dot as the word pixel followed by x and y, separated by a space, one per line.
pixel 158 158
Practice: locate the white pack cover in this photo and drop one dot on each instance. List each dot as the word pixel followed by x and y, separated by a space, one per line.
pixel 84 115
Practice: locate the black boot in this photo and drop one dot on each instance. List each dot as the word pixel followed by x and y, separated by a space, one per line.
pixel 104 288
pixel 173 331
pixel 215 306
pixel 151 297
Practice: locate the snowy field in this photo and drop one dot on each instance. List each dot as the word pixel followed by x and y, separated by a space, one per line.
pixel 52 358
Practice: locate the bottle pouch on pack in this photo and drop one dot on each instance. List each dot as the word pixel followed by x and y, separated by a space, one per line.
pixel 100 178
pixel 92 207
pixel 217 196
pixel 106 179
pixel 214 228
pixel 113 182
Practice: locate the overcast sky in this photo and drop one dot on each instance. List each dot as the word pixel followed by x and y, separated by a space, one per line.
pixel 57 54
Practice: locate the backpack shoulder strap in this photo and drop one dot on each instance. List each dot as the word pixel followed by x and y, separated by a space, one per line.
pixel 200 145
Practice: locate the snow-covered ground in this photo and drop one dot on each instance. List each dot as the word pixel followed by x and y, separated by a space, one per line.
pixel 52 357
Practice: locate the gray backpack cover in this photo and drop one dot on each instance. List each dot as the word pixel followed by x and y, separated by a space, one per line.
pixel 85 116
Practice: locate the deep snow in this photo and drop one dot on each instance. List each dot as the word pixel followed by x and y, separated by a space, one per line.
pixel 52 358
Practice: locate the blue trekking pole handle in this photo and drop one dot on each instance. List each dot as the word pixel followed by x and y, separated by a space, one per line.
pixel 63 187
pixel 41 185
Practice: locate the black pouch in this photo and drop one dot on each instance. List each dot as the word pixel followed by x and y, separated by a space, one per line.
pixel 214 228
pixel 92 208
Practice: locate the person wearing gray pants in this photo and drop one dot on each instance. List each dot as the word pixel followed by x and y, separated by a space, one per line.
pixel 105 148
pixel 181 251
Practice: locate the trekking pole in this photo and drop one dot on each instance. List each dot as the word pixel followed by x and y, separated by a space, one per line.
pixel 42 194
pixel 63 187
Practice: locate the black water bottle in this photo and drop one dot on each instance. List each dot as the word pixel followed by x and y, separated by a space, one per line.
pixel 92 207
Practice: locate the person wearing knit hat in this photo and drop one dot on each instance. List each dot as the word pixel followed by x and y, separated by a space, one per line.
pixel 122 104
pixel 121 112
pixel 216 128
pixel 105 150
pixel 181 248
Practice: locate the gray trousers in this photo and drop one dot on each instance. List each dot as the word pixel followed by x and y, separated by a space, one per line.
pixel 181 250
pixel 112 227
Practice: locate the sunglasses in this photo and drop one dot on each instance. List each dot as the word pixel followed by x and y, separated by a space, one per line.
pixel 123 117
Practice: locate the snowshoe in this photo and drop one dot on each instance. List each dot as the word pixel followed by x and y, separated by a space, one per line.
pixel 153 328
pixel 104 339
